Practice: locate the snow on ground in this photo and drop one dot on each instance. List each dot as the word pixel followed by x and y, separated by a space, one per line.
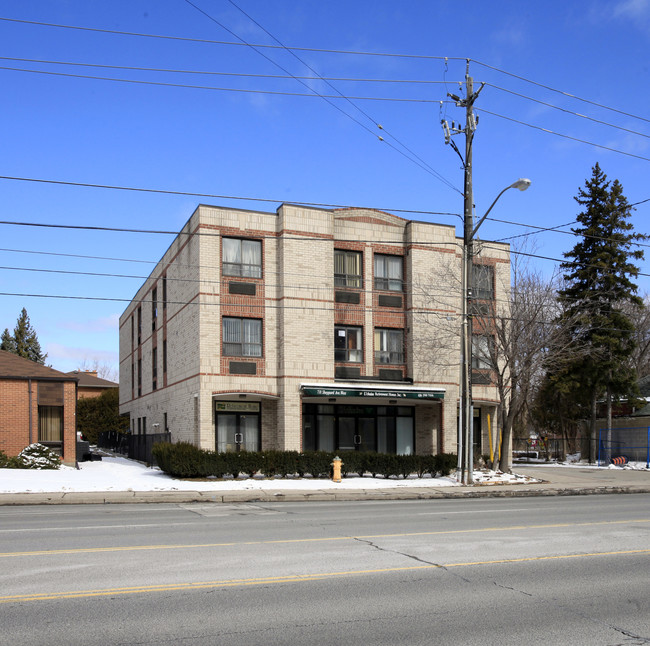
pixel 122 474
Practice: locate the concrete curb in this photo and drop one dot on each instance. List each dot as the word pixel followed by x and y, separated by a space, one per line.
pixel 282 495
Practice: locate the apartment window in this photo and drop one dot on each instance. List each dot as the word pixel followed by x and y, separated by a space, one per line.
pixel 164 292
pixel 242 337
pixel 241 257
pixel 389 346
pixel 164 356
pixel 348 344
pixel 483 282
pixel 154 368
pixel 132 334
pixel 139 325
pixel 347 268
pixel 139 377
pixel 482 352
pixel 388 273
pixel 154 307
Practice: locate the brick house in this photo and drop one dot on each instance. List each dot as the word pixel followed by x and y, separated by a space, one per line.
pixel 307 329
pixel 89 384
pixel 37 404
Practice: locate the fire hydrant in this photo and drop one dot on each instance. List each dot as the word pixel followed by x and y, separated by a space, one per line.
pixel 336 465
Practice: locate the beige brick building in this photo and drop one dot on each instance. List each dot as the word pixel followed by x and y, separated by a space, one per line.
pixel 305 329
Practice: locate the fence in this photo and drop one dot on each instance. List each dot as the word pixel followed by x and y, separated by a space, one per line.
pixel 549 448
pixel 632 443
pixel 136 447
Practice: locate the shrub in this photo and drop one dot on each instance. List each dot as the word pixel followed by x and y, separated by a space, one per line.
pixel 180 460
pixel 445 463
pixel 4 459
pixel 317 463
pixel 406 465
pixel 36 456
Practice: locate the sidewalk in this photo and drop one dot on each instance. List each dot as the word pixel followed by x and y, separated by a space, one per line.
pixel 554 481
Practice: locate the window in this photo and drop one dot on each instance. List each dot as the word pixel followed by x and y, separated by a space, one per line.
pixel 164 356
pixel 164 292
pixel 483 282
pixel 242 337
pixel 139 377
pixel 242 257
pixel 482 352
pixel 348 344
pixel 139 325
pixel 347 268
pixel 154 369
pixel 154 307
pixel 389 346
pixel 388 272
pixel 50 424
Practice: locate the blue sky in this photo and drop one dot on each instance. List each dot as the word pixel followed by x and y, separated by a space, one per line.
pixel 282 147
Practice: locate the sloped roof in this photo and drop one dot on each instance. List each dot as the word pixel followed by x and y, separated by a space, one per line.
pixel 14 367
pixel 91 380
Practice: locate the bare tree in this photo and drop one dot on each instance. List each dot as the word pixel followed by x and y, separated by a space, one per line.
pixel 103 370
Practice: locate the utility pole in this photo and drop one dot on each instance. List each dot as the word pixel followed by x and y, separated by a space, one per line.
pixel 465 431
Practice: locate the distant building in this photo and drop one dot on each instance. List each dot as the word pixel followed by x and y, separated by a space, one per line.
pixel 308 329
pixel 37 404
pixel 90 385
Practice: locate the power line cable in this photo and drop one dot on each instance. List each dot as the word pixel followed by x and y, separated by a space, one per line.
pixel 408 155
pixel 558 134
pixel 210 195
pixel 212 73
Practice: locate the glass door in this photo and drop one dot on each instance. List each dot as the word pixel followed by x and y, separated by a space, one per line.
pixel 347 433
pixel 366 439
pixel 238 432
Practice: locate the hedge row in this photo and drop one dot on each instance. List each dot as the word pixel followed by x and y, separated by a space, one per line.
pixel 184 460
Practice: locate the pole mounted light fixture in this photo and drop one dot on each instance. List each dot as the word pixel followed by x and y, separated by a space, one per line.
pixel 522 184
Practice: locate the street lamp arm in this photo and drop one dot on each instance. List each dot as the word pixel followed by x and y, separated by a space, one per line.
pixel 521 184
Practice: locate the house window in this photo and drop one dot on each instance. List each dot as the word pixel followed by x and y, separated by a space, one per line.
pixel 389 346
pixel 482 352
pixel 154 368
pixel 347 268
pixel 50 424
pixel 242 337
pixel 483 282
pixel 154 307
pixel 348 344
pixel 241 257
pixel 388 273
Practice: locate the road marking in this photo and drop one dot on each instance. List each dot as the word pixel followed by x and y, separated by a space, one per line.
pixel 294 578
pixel 474 511
pixel 61 529
pixel 282 541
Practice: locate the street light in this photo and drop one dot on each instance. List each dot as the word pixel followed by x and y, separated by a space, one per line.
pixel 466 430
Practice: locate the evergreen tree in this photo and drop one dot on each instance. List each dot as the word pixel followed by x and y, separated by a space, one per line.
pixel 599 277
pixel 24 341
pixel 7 342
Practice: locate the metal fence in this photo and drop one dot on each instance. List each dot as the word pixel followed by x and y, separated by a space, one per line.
pixel 136 447
pixel 631 443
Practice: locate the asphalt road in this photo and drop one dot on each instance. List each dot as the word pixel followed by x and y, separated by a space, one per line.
pixel 560 570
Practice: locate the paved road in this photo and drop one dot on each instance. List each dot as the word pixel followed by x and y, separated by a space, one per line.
pixel 560 570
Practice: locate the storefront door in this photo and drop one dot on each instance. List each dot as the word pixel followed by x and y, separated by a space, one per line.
pixel 237 430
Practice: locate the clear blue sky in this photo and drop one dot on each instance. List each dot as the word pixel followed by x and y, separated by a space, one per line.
pixel 295 148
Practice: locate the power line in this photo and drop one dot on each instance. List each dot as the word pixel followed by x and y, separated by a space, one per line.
pixel 219 89
pixel 558 134
pixel 212 73
pixel 567 94
pixel 571 112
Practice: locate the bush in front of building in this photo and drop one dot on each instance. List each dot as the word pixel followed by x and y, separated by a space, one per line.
pixel 35 456
pixel 184 460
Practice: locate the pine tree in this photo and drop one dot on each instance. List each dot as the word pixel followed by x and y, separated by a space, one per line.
pixel 24 341
pixel 599 277
pixel 7 342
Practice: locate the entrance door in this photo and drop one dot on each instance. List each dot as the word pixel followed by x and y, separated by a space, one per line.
pixel 366 438
pixel 237 432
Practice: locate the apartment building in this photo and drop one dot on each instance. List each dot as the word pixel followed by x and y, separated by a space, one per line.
pixel 307 329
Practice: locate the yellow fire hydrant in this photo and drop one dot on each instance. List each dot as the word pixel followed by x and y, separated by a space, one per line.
pixel 336 465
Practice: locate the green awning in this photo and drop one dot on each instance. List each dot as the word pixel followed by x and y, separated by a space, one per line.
pixel 374 393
